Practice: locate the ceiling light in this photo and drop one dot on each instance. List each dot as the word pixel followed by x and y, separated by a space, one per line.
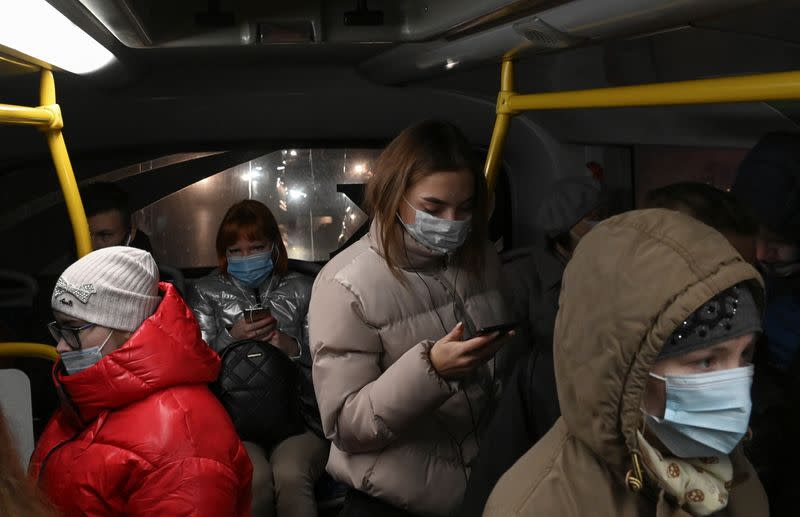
pixel 293 152
pixel 38 30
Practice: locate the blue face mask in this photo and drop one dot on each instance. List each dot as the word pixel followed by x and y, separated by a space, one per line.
pixel 76 361
pixel 252 270
pixel 440 235
pixel 706 414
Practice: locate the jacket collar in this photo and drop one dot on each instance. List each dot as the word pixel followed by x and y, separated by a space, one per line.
pixel 165 351
pixel 417 257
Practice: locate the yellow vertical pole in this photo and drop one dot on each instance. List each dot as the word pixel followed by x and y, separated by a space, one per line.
pixel 501 125
pixel 66 176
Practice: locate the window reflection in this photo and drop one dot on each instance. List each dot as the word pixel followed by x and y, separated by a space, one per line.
pixel 298 185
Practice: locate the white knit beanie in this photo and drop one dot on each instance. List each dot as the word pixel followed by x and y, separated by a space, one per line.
pixel 114 287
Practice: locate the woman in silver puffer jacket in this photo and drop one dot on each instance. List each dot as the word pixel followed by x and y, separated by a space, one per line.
pixel 253 273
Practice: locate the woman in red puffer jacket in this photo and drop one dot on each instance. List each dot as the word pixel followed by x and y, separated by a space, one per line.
pixel 138 431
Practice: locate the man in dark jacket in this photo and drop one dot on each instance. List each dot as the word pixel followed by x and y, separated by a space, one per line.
pixel 531 281
pixel 768 181
pixel 110 220
pixel 138 432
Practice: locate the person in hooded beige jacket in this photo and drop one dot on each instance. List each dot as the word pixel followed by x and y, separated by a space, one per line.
pixel 402 376
pixel 626 350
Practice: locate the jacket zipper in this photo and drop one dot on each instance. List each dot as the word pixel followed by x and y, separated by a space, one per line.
pixel 72 407
pixel 52 451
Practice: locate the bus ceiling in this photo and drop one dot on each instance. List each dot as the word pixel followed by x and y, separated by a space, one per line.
pixel 406 40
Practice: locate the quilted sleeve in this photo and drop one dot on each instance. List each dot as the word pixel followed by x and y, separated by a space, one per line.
pixel 363 407
pixel 203 309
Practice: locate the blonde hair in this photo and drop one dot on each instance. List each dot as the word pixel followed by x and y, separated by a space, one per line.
pixel 419 151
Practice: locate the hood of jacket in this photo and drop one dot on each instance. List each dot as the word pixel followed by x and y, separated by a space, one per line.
pixel 632 280
pixel 165 351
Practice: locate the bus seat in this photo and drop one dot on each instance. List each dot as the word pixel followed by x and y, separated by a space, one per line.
pixel 15 399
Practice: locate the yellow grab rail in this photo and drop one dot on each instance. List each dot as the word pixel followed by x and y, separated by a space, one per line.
pixel 749 88
pixel 48 117
pixel 501 125
pixel 22 349
pixel 10 114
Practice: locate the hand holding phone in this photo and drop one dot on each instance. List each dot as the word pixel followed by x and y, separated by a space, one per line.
pixel 453 358
pixel 255 323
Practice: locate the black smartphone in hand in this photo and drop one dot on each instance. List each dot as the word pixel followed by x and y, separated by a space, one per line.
pixel 502 329
pixel 254 314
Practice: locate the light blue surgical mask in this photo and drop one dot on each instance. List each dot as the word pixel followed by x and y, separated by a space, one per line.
pixel 76 361
pixel 251 270
pixel 440 235
pixel 706 414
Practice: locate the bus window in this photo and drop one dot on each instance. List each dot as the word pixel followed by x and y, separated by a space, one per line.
pixel 298 185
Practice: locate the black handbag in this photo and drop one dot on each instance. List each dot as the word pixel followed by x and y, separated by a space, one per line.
pixel 258 386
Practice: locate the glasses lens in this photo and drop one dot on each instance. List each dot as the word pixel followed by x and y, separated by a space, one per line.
pixel 70 336
pixel 55 331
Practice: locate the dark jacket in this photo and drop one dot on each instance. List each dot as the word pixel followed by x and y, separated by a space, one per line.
pixel 775 420
pixel 528 407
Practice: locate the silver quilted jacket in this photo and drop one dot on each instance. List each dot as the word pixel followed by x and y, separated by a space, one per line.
pixel 218 301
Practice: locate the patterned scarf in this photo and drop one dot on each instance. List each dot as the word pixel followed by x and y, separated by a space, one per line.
pixel 700 485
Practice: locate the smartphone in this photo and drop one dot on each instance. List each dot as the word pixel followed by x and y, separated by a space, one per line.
pixel 252 314
pixel 503 329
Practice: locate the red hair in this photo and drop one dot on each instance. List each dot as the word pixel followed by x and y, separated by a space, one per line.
pixel 252 220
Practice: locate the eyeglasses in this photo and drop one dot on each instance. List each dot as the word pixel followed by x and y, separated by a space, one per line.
pixel 70 335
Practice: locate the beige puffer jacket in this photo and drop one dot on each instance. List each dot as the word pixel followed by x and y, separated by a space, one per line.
pixel 631 282
pixel 399 431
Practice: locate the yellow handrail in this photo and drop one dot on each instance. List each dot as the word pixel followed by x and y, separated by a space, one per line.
pixel 749 88
pixel 501 126
pixel 22 349
pixel 10 114
pixel 48 117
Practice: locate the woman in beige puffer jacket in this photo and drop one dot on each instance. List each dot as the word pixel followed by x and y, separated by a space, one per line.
pixel 401 403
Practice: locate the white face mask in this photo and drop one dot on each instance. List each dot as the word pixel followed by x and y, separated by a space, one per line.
pixel 706 414
pixel 440 235
pixel 78 360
